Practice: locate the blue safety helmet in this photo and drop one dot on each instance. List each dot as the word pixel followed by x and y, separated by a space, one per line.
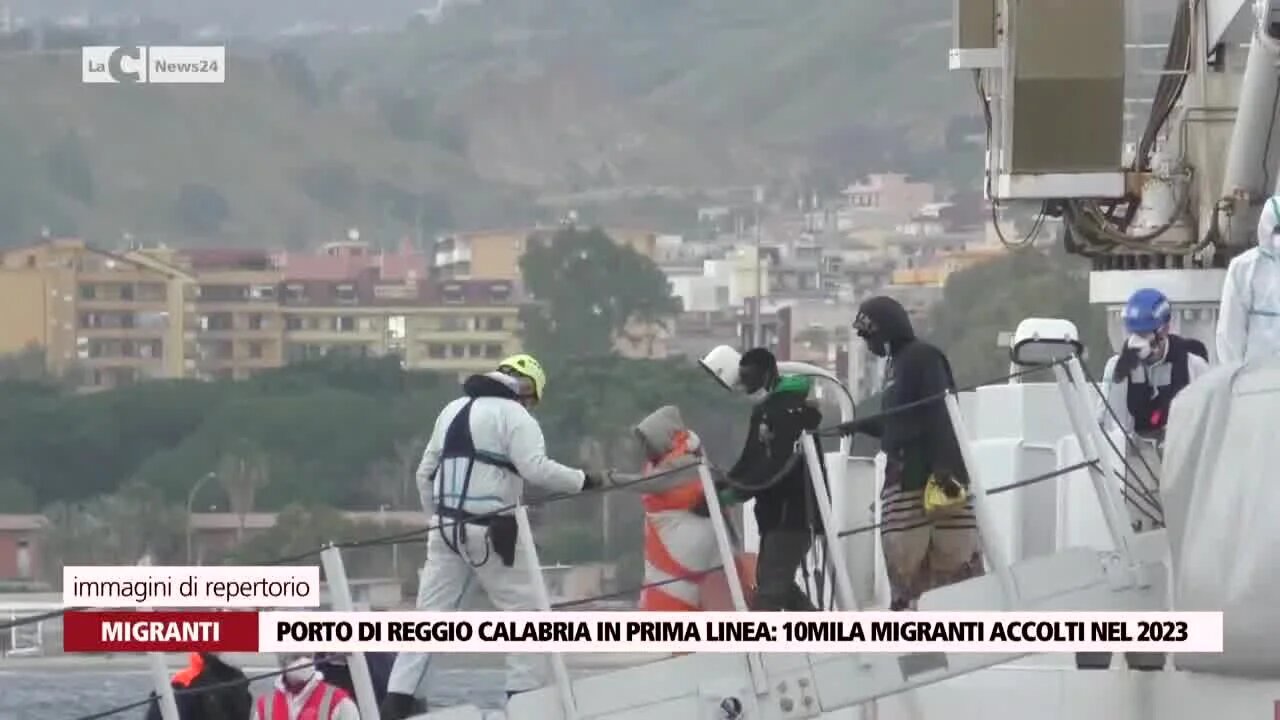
pixel 1147 311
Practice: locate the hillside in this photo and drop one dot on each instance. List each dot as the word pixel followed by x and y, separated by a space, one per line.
pixel 154 160
pixel 793 86
pixel 466 122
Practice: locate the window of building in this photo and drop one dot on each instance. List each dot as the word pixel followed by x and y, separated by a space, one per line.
pixel 126 292
pixel 262 292
pixel 87 291
pixel 152 292
pixel 453 323
pixel 476 350
pixel 345 323
pixel 345 293
pixel 493 350
pixel 216 322
pixel 292 322
pixel 458 350
pixel 255 349
pixel 294 292
pixel 436 350
pixel 500 292
pixel 453 293
pixel 255 321
pixel 493 323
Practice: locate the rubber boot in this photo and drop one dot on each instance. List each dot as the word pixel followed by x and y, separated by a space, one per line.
pixel 398 706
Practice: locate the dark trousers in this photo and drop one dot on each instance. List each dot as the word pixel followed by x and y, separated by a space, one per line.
pixel 781 554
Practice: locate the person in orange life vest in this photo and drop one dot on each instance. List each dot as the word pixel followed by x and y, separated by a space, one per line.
pixel 230 701
pixel 679 538
pixel 301 693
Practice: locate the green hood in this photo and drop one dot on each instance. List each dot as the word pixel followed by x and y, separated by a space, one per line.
pixel 794 384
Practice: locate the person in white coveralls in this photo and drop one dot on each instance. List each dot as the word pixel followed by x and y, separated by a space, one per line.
pixel 1249 313
pixel 484 447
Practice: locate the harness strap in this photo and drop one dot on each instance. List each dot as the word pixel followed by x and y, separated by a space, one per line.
pixel 326 701
pixel 459 444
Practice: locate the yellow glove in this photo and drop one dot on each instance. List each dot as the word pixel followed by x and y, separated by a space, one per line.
pixel 944 496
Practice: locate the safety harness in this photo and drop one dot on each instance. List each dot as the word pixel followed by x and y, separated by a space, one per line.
pixel 500 535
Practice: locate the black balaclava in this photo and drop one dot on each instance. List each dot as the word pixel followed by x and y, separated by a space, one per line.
pixel 883 324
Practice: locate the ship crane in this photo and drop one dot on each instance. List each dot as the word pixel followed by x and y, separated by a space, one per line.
pixel 1167 210
pixel 1173 206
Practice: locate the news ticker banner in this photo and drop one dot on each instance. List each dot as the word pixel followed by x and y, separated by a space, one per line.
pixel 657 632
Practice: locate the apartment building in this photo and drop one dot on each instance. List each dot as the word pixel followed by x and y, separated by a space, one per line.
pixel 497 253
pixel 232 324
pixel 230 313
pixel 110 318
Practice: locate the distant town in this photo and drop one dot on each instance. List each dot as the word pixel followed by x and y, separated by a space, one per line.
pixel 114 316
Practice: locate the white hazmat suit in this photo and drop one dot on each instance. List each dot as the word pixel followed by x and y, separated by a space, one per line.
pixel 509 450
pixel 1249 314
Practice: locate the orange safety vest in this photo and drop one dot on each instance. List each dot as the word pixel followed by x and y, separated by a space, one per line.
pixel 185 676
pixel 321 704
pixel 680 498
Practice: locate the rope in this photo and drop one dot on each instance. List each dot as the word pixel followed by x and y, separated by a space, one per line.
pixel 840 535
pixel 394 539
pixel 418 534
pixel 179 692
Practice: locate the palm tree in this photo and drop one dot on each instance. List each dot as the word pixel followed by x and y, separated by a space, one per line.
pixel 241 471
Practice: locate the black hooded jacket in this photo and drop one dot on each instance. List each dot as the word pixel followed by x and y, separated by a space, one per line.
pixel 921 437
pixel 219 692
pixel 771 462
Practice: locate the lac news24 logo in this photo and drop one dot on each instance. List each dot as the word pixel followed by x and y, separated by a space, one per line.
pixel 180 64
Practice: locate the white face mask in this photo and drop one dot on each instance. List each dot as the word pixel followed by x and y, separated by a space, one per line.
pixel 300 670
pixel 1140 345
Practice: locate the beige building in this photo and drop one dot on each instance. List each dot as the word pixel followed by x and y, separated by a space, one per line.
pixel 229 313
pixel 114 319
pixel 497 253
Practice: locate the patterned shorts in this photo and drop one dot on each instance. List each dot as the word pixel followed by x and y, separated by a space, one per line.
pixel 922 554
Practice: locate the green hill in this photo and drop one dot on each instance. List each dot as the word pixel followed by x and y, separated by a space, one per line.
pixel 674 90
pixel 249 162
pixel 467 122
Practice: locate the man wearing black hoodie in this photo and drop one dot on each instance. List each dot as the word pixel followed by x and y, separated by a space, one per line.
pixel 922 552
pixel 772 470
pixel 208 688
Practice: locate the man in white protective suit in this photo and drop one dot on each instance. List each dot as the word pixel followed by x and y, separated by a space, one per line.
pixel 1249 314
pixel 484 447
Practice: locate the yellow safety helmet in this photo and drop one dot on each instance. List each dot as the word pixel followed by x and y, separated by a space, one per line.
pixel 528 367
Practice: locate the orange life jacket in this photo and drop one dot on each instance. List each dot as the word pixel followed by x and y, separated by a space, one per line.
pixel 681 498
pixel 195 666
pixel 684 496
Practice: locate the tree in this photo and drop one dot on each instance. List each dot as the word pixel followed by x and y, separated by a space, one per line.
pixel 241 472
pixel 293 71
pixel 201 209
pixel 587 290
pixel 70 170
pixel 334 185
pixel 981 302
